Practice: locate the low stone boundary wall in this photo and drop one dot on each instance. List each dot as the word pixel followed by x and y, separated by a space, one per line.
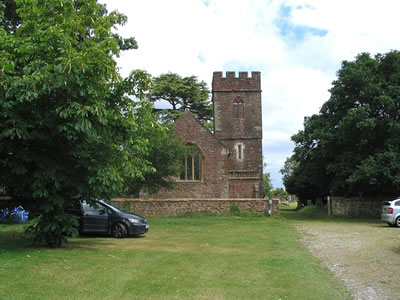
pixel 358 206
pixel 176 207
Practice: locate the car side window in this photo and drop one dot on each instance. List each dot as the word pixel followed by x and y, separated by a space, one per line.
pixel 73 208
pixel 397 203
pixel 93 209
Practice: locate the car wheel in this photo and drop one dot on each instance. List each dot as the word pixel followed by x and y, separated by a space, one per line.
pixel 397 222
pixel 119 231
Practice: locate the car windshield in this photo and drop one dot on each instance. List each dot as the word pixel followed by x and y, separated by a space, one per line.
pixel 116 207
pixel 386 203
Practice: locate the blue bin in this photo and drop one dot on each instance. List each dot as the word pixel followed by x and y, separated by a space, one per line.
pixel 19 215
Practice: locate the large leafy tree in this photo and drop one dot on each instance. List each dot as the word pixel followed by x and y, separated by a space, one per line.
pixel 352 147
pixel 182 93
pixel 68 129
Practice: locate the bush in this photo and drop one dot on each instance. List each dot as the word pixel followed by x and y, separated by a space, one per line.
pixel 237 211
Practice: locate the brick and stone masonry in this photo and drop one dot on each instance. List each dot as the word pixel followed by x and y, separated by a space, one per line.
pixel 231 156
pixel 179 207
pixel 213 182
pixel 245 174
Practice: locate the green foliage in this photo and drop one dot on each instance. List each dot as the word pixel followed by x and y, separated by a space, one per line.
pixel 237 211
pixel 267 184
pixel 68 128
pixel 182 93
pixel 352 147
pixel 165 153
pixel 53 228
pixel 127 205
pixel 288 168
pixel 279 192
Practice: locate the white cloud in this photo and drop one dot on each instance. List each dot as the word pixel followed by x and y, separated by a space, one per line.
pixel 195 37
pixel 354 26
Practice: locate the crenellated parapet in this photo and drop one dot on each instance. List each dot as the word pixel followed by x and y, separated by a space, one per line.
pixel 232 83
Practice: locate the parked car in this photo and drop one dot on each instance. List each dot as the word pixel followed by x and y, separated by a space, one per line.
pixel 391 212
pixel 106 218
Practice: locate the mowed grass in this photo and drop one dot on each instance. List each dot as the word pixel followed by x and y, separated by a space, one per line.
pixel 201 257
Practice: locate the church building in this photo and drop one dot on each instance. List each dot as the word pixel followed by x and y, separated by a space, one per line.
pixel 227 163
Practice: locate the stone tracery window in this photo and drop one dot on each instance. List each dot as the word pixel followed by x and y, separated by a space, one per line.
pixel 238 108
pixel 192 165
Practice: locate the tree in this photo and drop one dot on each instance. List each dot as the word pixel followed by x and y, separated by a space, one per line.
pixel 287 171
pixel 267 184
pixel 165 154
pixel 352 147
pixel 68 129
pixel 182 93
pixel 281 193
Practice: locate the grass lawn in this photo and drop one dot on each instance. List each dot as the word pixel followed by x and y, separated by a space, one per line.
pixel 202 257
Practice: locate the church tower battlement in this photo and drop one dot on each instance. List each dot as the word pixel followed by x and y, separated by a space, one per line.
pixel 233 83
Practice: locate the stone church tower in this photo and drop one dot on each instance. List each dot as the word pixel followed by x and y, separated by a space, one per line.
pixel 238 125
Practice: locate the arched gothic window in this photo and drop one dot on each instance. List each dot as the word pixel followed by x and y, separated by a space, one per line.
pixel 192 165
pixel 238 108
pixel 241 109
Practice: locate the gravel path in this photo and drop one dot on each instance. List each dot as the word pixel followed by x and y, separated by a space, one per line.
pixel 364 255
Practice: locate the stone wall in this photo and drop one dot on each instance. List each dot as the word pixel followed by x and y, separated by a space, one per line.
pixel 358 206
pixel 176 207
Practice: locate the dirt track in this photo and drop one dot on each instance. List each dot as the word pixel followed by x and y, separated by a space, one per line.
pixel 364 255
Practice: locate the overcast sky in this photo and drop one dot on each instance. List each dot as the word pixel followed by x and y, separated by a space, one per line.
pixel 297 45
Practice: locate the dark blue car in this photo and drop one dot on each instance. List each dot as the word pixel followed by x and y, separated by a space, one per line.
pixel 101 217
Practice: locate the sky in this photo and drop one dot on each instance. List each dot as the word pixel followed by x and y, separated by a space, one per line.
pixel 297 45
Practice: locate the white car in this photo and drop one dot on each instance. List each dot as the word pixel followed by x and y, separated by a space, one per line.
pixel 391 212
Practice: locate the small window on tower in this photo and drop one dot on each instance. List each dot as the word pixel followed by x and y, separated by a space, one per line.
pixel 239 151
pixel 241 109
pixel 236 109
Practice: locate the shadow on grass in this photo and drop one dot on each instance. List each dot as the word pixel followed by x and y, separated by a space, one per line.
pixel 13 238
pixel 396 250
pixel 306 213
